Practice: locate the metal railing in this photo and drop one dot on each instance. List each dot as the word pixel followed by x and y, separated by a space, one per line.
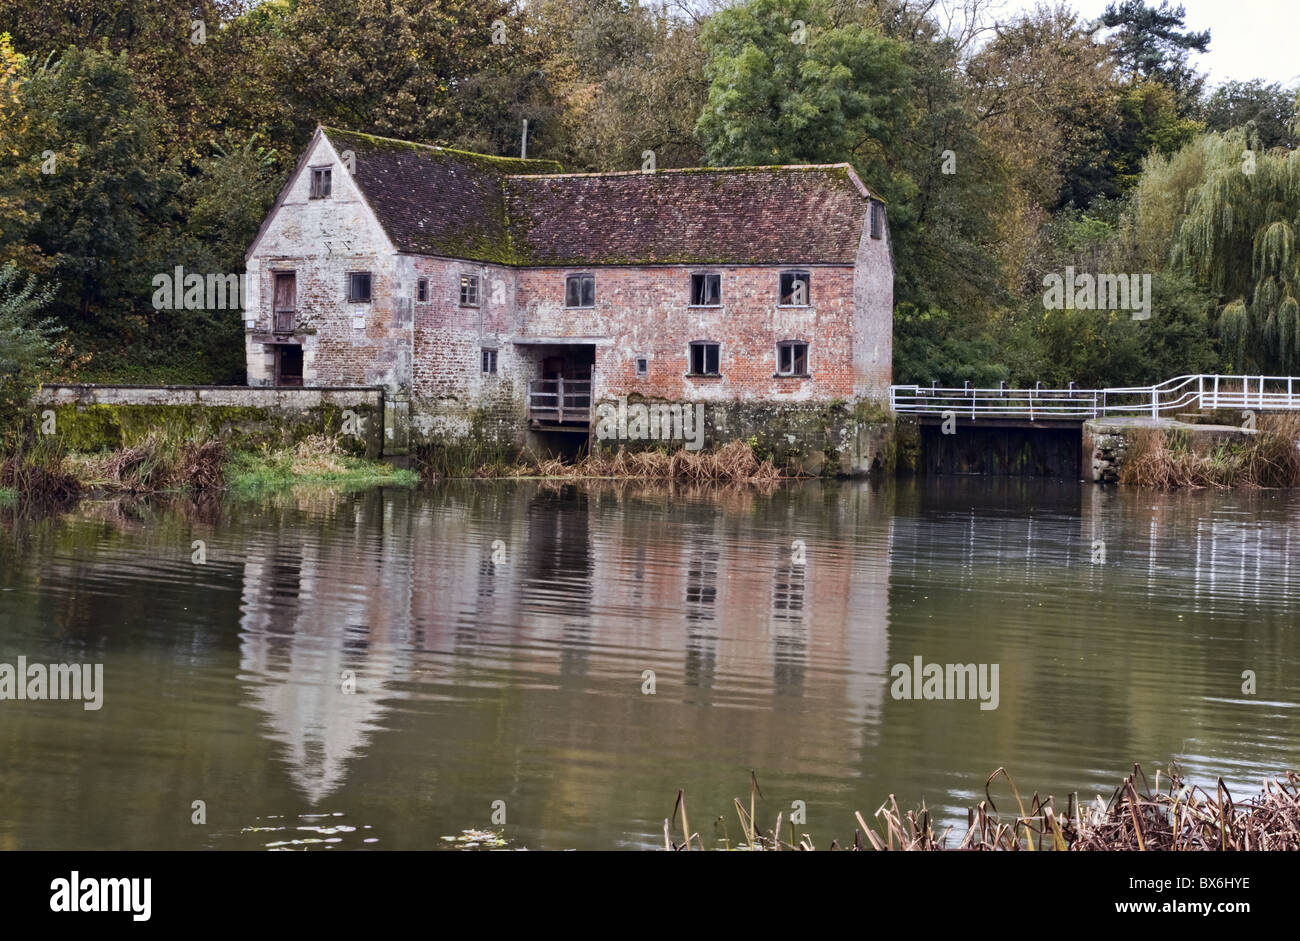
pixel 559 400
pixel 1181 394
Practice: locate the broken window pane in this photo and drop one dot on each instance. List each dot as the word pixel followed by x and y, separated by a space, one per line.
pixel 469 290
pixel 792 359
pixel 795 289
pixel 706 290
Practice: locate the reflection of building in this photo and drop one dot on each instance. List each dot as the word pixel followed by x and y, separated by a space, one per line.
pixel 486 593
pixel 310 612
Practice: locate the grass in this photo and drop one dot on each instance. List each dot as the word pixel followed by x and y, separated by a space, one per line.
pixel 316 460
pixel 41 470
pixel 1138 816
pixel 8 496
pixel 1162 460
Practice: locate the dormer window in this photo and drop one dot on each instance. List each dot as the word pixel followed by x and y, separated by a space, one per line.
pixel 580 290
pixel 320 182
pixel 706 290
pixel 795 289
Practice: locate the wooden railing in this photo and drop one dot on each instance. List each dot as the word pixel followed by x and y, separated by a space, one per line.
pixel 560 401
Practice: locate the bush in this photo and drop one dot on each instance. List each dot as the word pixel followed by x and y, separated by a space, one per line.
pixel 27 352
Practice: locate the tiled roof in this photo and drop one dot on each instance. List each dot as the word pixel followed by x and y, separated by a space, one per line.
pixel 437 201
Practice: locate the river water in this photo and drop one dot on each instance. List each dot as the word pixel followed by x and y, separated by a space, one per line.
pixel 387 668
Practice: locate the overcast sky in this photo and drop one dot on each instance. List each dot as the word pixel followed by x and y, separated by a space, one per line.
pixel 1248 38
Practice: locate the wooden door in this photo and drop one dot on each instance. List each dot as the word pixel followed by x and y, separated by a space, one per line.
pixel 285 300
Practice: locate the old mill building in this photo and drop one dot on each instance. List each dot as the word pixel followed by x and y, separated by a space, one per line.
pixel 501 298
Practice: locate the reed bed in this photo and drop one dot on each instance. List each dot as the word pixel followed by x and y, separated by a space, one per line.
pixel 1164 461
pixel 155 464
pixel 734 462
pixel 1139 816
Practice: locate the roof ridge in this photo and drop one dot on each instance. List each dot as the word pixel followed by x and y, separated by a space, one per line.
pixel 328 129
pixel 773 166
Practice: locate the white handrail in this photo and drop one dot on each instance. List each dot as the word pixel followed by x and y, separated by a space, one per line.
pixel 1182 393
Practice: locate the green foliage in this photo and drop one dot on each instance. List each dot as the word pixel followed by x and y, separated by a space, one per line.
pixel 1264 111
pixel 27 351
pixel 932 346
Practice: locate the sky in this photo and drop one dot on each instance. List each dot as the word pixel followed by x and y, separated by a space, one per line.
pixel 1248 38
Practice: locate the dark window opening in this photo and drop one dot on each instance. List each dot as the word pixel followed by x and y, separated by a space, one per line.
pixel 795 289
pixel 422 290
pixel 877 220
pixel 792 359
pixel 320 182
pixel 469 290
pixel 489 361
pixel 359 287
pixel 704 359
pixel 642 366
pixel 288 365
pixel 580 290
pixel 706 290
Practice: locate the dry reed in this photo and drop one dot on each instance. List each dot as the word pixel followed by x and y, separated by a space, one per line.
pixel 1177 817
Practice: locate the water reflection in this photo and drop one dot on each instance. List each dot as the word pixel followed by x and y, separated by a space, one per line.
pixel 408 658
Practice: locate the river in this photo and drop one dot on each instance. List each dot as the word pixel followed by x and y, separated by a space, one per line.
pixel 387 668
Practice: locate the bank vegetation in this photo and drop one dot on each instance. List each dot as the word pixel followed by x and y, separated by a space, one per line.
pixel 1140 815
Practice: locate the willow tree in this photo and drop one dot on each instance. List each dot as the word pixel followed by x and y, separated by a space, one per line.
pixel 1238 238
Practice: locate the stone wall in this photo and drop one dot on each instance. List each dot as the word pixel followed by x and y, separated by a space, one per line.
pixel 321 241
pixel 1108 442
pixel 94 418
pixel 831 439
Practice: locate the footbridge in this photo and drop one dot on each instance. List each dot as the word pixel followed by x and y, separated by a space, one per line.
pixel 1039 432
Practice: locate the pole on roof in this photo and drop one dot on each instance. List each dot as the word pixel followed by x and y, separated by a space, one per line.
pixel 523 147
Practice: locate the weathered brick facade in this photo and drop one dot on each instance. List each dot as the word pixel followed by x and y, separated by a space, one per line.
pixel 405 213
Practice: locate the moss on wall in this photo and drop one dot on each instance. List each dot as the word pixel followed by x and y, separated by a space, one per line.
pixel 92 428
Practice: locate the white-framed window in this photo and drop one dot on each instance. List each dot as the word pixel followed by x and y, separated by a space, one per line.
pixel 792 358
pixel 488 361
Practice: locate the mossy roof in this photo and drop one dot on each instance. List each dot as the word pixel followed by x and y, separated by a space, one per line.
pixel 456 204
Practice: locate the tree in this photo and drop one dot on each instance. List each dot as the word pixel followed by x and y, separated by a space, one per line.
pixel 1266 112
pixel 103 183
pixel 1237 238
pixel 1152 44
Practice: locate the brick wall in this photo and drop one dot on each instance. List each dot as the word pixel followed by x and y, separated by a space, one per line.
pixel 646 311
